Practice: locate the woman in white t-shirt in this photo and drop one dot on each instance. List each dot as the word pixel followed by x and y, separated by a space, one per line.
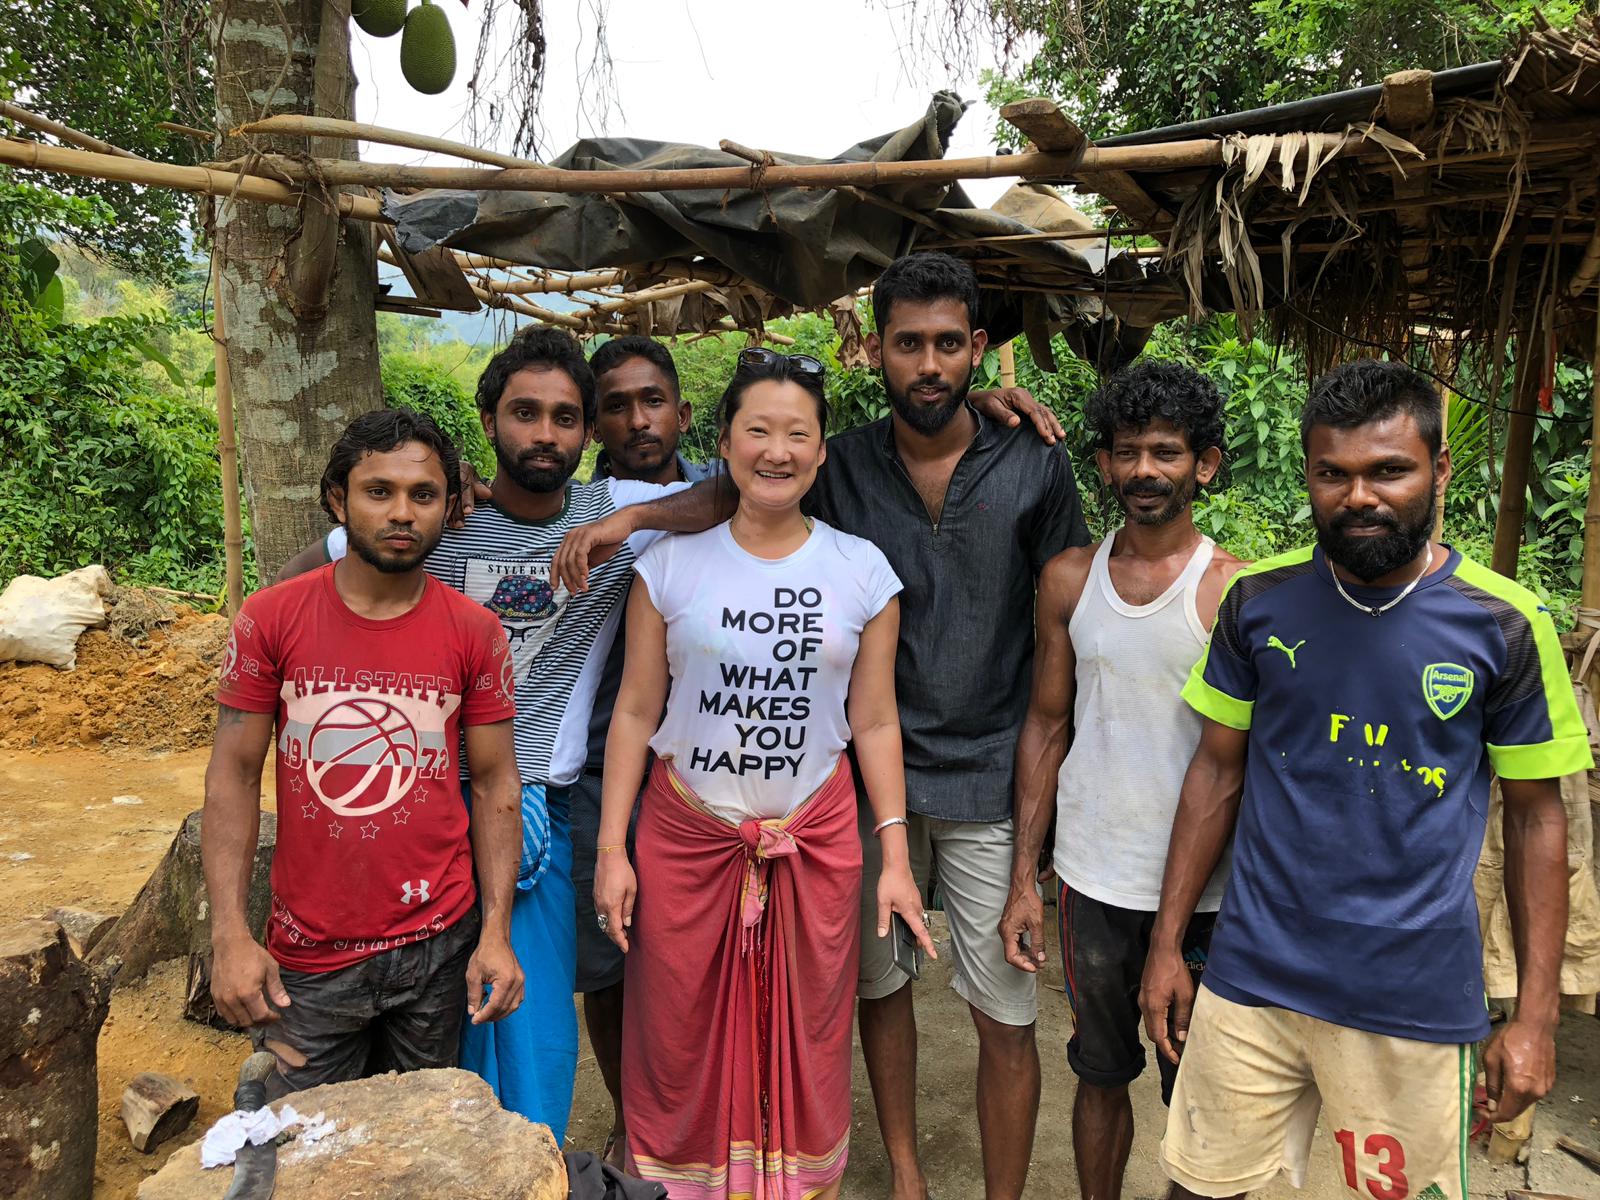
pixel 777 635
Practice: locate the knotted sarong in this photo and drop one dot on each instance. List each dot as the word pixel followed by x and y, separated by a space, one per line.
pixel 741 980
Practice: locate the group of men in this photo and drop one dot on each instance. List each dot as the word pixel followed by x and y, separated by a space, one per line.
pixel 1391 674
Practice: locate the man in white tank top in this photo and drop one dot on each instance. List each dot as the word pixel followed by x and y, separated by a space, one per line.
pixel 1120 624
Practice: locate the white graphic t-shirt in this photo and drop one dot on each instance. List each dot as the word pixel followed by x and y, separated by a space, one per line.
pixel 761 652
pixel 559 641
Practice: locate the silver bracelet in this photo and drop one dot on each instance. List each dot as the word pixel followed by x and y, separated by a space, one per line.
pixel 877 830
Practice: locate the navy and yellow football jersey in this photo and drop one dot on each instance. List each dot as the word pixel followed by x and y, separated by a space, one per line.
pixel 1367 784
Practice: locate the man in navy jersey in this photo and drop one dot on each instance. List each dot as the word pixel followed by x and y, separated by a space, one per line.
pixel 1356 696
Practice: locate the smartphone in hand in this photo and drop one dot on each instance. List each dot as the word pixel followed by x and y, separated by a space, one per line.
pixel 907 953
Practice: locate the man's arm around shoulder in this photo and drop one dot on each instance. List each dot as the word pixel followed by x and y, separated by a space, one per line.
pixel 691 510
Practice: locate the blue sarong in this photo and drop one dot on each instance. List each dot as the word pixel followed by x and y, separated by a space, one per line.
pixel 530 1058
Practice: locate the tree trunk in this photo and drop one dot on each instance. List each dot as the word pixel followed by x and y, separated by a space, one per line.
pixel 299 285
pixel 171 916
pixel 51 1010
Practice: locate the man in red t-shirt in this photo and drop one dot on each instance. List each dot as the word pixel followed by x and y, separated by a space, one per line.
pixel 376 676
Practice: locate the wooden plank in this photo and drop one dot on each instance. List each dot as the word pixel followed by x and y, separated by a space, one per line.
pixel 1045 125
pixel 1053 132
pixel 1407 99
pixel 436 278
pixel 404 306
pixel 1579 1151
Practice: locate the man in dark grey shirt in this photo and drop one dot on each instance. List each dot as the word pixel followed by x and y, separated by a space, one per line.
pixel 967 511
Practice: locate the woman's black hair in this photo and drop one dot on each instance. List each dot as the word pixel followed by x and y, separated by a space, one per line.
pixel 779 368
pixel 380 431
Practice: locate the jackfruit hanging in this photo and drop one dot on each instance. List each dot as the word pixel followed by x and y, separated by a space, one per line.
pixel 380 18
pixel 428 49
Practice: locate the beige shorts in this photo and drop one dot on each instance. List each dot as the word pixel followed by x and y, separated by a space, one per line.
pixel 974 861
pixel 1253 1080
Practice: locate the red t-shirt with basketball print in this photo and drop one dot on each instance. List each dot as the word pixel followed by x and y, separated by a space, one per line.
pixel 373 849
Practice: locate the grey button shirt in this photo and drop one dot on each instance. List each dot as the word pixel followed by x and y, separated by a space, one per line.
pixel 965 662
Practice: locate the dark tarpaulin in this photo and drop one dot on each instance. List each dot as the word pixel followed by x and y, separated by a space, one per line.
pixel 806 247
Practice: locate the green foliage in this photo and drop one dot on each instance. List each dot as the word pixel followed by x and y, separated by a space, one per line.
pixel 120 464
pixel 1122 65
pixel 107 67
pixel 412 382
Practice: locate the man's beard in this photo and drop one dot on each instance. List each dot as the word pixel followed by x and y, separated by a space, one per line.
pixel 372 552
pixel 647 453
pixel 1178 499
pixel 1372 556
pixel 927 419
pixel 538 479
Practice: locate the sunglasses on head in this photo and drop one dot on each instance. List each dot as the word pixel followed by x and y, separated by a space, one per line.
pixel 760 356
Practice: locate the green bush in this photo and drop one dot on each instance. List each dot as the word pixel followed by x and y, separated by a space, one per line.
pixel 409 382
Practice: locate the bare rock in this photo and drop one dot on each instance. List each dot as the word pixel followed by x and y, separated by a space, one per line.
pixel 426 1133
pixel 84 928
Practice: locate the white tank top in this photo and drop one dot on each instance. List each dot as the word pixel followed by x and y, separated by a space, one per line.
pixel 1133 737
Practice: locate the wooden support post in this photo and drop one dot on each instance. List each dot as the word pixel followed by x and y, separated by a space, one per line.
pixel 227 450
pixel 1590 595
pixel 1008 364
pixel 1518 458
pixel 51 1010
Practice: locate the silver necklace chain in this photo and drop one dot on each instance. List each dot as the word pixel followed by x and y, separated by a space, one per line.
pixel 1382 608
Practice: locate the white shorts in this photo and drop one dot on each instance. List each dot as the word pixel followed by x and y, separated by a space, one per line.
pixel 1252 1081
pixel 974 865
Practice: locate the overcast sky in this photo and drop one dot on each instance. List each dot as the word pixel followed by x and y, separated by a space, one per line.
pixel 814 82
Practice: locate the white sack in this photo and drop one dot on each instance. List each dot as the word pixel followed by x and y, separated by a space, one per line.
pixel 40 619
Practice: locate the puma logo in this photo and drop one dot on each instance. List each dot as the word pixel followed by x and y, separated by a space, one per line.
pixel 1274 644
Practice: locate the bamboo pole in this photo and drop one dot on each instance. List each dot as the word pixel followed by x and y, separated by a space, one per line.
pixel 1590 595
pixel 291 124
pixel 227 449
pixel 1008 364
pixel 1089 162
pixel 633 300
pixel 36 156
pixel 1518 457
pixel 63 133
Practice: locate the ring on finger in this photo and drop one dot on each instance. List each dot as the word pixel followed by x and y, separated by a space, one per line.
pixel 604 921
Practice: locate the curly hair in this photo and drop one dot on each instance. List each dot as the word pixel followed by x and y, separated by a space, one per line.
pixel 541 347
pixel 1152 390
pixel 1368 389
pixel 378 432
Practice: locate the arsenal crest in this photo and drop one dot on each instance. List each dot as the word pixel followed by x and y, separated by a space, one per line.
pixel 1446 687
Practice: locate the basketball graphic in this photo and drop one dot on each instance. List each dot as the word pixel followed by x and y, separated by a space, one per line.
pixel 521 597
pixel 361 756
pixel 508 678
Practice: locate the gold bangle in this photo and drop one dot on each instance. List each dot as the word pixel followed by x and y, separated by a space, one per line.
pixel 608 849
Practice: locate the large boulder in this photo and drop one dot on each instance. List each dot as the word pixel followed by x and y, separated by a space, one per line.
pixel 426 1133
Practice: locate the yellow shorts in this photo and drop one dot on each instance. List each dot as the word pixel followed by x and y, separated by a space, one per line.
pixel 1253 1080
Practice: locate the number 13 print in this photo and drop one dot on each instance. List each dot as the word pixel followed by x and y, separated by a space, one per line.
pixel 1388 1160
